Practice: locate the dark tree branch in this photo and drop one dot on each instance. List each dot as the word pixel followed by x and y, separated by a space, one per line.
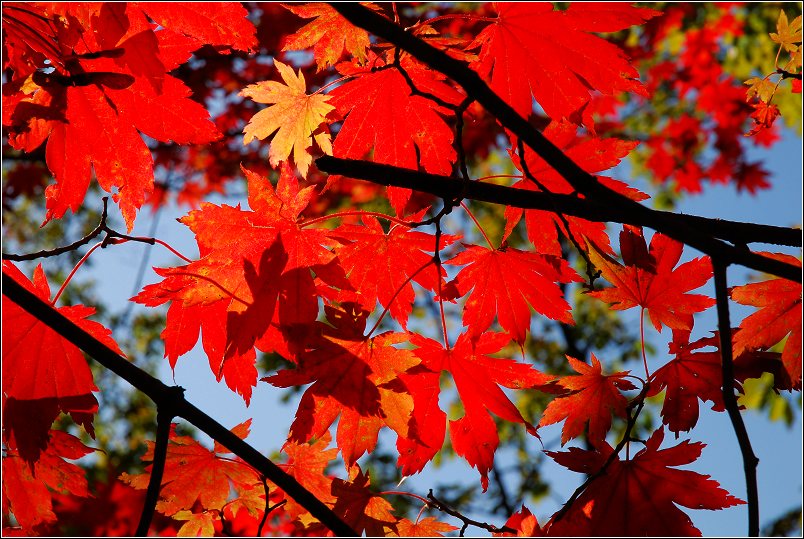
pixel 164 395
pixel 450 189
pixel 591 274
pixel 750 460
pixel 163 420
pixel 582 181
pixel 441 506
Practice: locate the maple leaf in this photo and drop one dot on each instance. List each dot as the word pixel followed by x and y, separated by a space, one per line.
pixel 591 154
pixel 329 34
pixel 764 115
pixel 779 316
pixel 426 527
pixel 402 129
pixel 788 35
pixel 360 508
pixel 649 280
pixel 306 463
pixel 593 399
pixel 223 24
pixel 762 88
pixel 354 377
pixel 533 49
pixel 380 266
pixel 477 377
pixel 43 373
pixel 505 281
pixel 640 496
pixel 694 374
pixel 114 97
pixel 27 489
pixel 197 525
pixel 524 523
pixel 294 114
pixel 253 284
pixel 194 473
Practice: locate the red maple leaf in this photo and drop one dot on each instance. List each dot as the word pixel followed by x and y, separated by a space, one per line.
pixel 27 489
pixel 109 86
pixel 43 373
pixel 360 508
pixel 253 284
pixel 401 129
pixel 641 495
pixel 532 48
pixel 525 524
pixel 355 377
pixel 779 316
pixel 594 397
pixel 477 377
pixel 425 527
pixel 505 281
pixel 649 280
pixel 194 473
pixel 329 34
pixel 380 266
pixel 593 155
pixel 306 463
pixel 694 374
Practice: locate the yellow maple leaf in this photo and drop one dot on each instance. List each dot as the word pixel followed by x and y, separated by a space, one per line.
pixel 294 115
pixel 788 34
pixel 761 88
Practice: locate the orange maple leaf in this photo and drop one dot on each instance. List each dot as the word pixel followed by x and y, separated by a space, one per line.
pixel 594 397
pixel 648 279
pixel 294 115
pixel 779 315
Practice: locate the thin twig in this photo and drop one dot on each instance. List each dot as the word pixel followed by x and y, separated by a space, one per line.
pixel 268 507
pixel 45 253
pixel 750 460
pixel 640 399
pixel 441 506
pixel 103 226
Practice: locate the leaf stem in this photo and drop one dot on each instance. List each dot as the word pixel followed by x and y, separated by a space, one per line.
pixel 70 276
pixel 327 85
pixel 403 493
pixel 379 215
pixel 642 341
pixel 398 290
pixel 477 224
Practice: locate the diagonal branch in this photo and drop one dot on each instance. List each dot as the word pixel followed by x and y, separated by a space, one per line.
pixel 164 395
pixel 450 188
pixel 582 181
pixel 750 460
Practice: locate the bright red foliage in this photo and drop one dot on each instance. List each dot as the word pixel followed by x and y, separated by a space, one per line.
pixel 146 96
pixel 641 494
